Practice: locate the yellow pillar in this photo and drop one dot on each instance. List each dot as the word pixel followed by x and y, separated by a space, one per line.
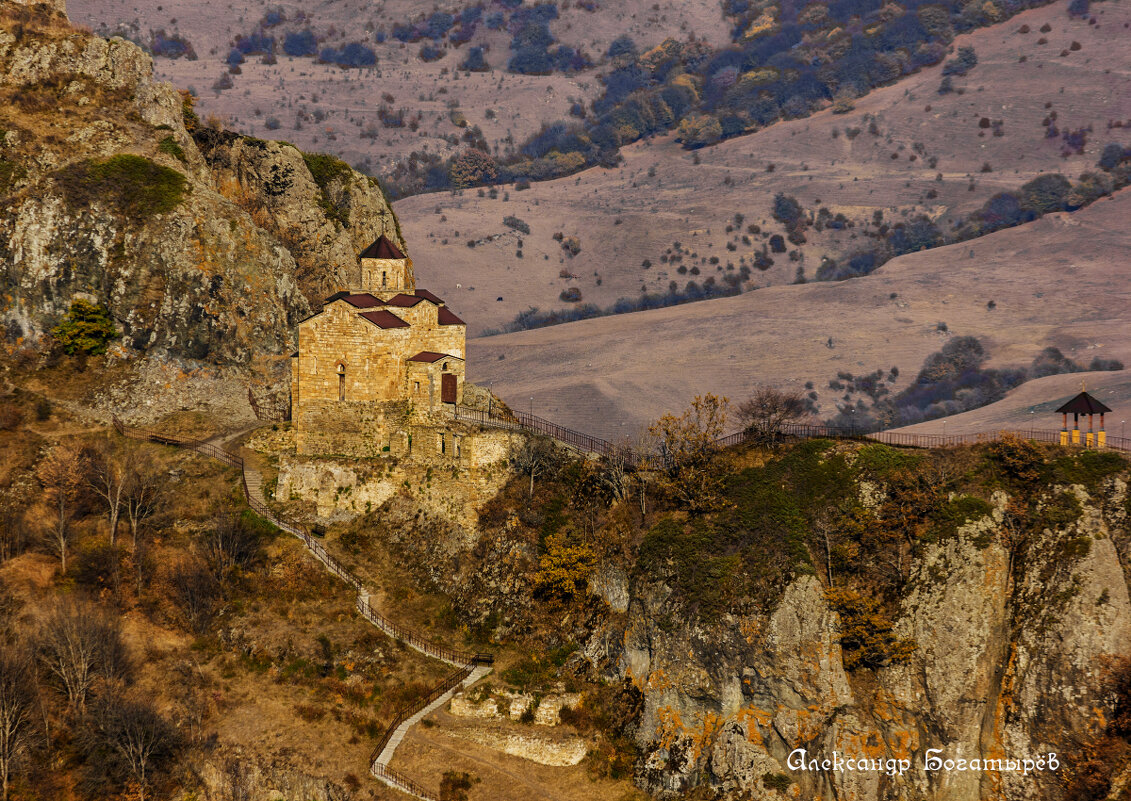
pixel 1063 437
pixel 1089 439
pixel 1101 439
pixel 1075 436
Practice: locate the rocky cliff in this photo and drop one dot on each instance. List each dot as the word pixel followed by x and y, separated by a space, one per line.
pixel 1014 649
pixel 206 247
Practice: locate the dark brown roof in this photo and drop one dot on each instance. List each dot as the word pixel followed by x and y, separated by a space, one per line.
pixel 382 248
pixel 384 319
pixel 360 300
pixel 404 301
pixel 424 293
pixel 431 356
pixel 1083 404
pixel 446 317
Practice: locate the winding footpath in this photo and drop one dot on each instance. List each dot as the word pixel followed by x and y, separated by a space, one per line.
pixel 470 667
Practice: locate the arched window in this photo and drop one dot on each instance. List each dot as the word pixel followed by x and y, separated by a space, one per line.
pixel 444 367
pixel 384 278
pixel 341 382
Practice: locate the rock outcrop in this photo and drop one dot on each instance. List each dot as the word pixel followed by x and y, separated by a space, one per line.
pixel 206 247
pixel 1012 662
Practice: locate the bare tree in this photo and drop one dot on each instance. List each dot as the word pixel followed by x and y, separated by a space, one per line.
pixel 17 713
pixel 768 410
pixel 196 592
pixel 535 456
pixel 143 493
pixel 135 734
pixel 108 478
pixel 78 644
pixel 616 469
pixel 229 546
pixel 63 476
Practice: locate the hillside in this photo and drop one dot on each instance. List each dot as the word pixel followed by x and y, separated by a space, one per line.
pixel 1033 405
pixel 1054 282
pixel 203 247
pixel 876 159
pixel 336 107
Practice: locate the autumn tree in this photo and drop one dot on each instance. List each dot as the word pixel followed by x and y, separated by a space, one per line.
pixel 1018 459
pixel 17 712
pixel 472 167
pixel 686 446
pixel 765 413
pixel 63 476
pixel 564 569
pixel 867 638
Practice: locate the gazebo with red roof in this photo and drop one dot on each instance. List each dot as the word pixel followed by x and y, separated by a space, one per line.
pixel 1083 404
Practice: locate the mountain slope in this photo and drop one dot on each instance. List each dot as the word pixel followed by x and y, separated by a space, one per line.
pixel 1055 281
pixel 904 151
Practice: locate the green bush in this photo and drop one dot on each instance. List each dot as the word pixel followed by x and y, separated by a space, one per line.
pixel 455 785
pixel 1046 193
pixel 325 170
pixel 86 328
pixel 951 516
pixel 136 187
pixel 10 172
pixel 1089 468
pixel 879 460
pixel 169 145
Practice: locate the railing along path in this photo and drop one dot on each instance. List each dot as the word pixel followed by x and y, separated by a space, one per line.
pixel 576 440
pixel 467 663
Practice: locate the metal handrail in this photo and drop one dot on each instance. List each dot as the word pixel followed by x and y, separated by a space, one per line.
pixel 521 421
pixel 449 682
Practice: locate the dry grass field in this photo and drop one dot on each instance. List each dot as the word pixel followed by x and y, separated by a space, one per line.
pixel 660 195
pixel 1057 281
pixel 348 99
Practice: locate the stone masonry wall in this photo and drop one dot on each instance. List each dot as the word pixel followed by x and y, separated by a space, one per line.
pixel 387 277
pixel 373 358
pixel 441 483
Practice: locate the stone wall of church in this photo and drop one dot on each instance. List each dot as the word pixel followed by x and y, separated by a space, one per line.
pixel 448 339
pixel 425 380
pixel 387 277
pixel 450 470
pixel 372 358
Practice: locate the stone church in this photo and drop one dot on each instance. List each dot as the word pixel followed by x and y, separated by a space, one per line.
pixel 379 365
